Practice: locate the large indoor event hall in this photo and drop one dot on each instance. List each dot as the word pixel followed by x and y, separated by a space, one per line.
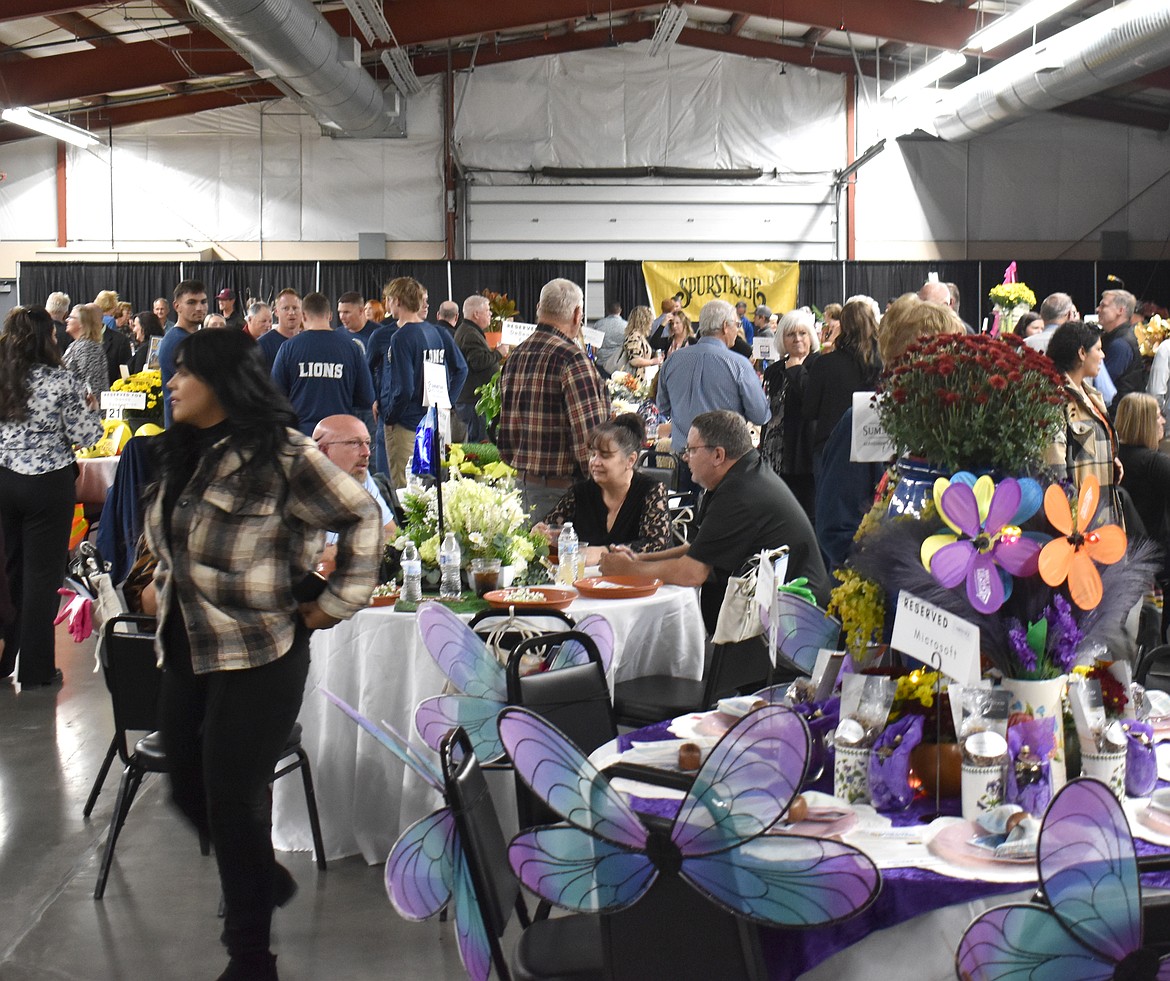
pixel 701 466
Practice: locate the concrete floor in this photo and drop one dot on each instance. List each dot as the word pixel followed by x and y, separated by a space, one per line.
pixel 157 921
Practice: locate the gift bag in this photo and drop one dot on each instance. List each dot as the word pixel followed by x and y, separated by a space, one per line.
pixel 1141 765
pixel 889 766
pixel 1029 769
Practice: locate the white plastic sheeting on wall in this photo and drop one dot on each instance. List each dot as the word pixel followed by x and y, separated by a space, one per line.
pixel 28 195
pixel 258 173
pixel 1048 178
pixel 617 107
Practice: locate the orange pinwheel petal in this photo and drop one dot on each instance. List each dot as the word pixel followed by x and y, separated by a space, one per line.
pixel 1105 544
pixel 1057 511
pixel 1084 582
pixel 1056 557
pixel 1087 501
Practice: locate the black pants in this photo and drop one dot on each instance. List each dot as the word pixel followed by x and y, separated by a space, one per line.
pixel 37 511
pixel 223 734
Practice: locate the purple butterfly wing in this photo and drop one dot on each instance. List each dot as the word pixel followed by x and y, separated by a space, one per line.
pixel 560 775
pixel 787 880
pixel 746 782
pixel 1088 869
pixel 420 869
pixel 470 931
pixel 802 629
pixel 574 869
pixel 392 741
pixel 573 652
pixel 1024 942
pixel 435 717
pixel 461 653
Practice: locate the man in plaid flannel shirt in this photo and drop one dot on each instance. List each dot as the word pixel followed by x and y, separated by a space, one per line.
pixel 551 399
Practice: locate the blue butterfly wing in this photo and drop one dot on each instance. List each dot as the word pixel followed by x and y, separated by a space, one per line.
pixel 802 629
pixel 787 880
pixel 560 775
pixel 573 869
pixel 470 931
pixel 573 652
pixel 1024 942
pixel 435 717
pixel 420 869
pixel 1088 869
pixel 746 782
pixel 461 653
pixel 392 741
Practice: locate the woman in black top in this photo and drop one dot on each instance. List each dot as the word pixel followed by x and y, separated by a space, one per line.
pixel 852 366
pixel 1140 428
pixel 144 326
pixel 617 505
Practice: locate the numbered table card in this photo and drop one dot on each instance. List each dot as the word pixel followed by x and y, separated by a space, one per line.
pixel 123 400
pixel 764 348
pixel 938 638
pixel 435 385
pixel 515 333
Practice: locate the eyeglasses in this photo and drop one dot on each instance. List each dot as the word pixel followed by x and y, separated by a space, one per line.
pixel 349 442
pixel 688 450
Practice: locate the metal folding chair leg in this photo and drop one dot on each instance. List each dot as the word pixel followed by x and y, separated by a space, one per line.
pixel 302 763
pixel 127 790
pixel 101 777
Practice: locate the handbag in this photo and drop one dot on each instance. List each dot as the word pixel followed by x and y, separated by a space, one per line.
pixel 739 619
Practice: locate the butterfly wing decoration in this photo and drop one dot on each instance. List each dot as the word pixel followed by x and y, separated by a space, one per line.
pixel 802 629
pixel 472 668
pixel 420 872
pixel 573 652
pixel 470 931
pixel 1089 876
pixel 605 858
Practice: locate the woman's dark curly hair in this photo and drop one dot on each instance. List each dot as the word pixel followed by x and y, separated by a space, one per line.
pixel 259 414
pixel 29 338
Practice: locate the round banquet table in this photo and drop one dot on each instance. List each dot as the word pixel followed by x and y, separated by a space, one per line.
pixel 377 663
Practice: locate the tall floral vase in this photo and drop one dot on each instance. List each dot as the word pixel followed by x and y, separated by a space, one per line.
pixel 1042 699
pixel 914 488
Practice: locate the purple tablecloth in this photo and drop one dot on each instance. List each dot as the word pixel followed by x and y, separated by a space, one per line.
pixel 905 893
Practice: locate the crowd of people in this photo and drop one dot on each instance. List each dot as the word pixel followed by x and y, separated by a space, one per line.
pixel 290 426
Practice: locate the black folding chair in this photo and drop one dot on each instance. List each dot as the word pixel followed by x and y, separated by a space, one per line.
pixel 560 948
pixel 133 678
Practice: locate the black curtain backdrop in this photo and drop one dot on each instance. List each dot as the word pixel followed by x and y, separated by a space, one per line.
pixel 625 284
pixel 137 283
pixel 252 280
pixel 521 280
pixel 821 281
pixel 370 277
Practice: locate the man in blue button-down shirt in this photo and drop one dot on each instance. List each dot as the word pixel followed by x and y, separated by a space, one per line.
pixel 708 376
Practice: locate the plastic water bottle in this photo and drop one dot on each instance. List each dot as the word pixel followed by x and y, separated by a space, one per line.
pixel 567 555
pixel 411 574
pixel 450 560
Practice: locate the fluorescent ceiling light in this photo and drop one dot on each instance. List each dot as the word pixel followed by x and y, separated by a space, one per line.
pixel 49 126
pixel 401 71
pixel 671 22
pixel 1016 23
pixel 370 19
pixel 928 74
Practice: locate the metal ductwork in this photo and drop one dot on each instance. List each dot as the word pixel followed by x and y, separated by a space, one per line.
pixel 1117 46
pixel 292 41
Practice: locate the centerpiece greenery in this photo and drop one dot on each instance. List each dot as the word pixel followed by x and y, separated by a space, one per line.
pixel 150 384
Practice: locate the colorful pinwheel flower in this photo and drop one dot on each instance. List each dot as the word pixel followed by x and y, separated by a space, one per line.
pixel 1072 557
pixel 987 548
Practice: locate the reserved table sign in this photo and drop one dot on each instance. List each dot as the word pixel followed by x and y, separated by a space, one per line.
pixel 515 332
pixel 936 637
pixel 123 400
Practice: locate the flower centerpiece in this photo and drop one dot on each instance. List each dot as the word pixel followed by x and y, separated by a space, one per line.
pixel 148 383
pixel 479 461
pixel 1012 301
pixel 502 309
pixel 487 517
pixel 1151 333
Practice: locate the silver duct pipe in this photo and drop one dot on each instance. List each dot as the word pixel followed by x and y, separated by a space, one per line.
pixel 1116 46
pixel 290 39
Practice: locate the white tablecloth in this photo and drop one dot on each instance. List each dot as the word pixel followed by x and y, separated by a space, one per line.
pixel 378 664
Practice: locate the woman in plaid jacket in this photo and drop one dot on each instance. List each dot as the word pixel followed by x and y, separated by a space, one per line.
pixel 236 520
pixel 1086 443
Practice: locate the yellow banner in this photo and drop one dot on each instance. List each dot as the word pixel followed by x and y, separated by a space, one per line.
pixel 693 284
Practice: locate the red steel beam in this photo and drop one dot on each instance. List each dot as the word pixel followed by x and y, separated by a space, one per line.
pixel 84 29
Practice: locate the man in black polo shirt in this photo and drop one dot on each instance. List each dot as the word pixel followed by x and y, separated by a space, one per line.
pixel 746 508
